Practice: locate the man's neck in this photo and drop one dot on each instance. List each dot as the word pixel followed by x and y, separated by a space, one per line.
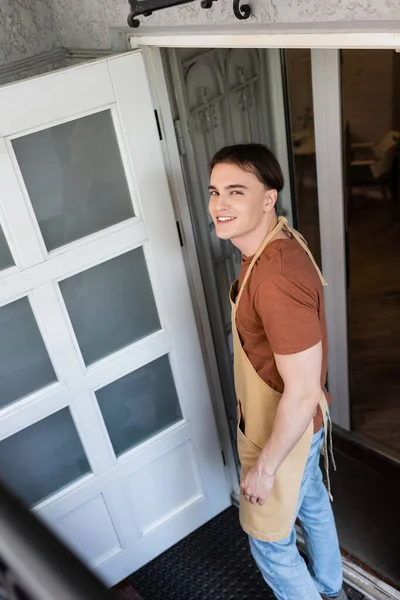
pixel 249 244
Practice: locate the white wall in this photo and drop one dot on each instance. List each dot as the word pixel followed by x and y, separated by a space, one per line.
pixel 89 23
pixel 30 27
pixel 27 28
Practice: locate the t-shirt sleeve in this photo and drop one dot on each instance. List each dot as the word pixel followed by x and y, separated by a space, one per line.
pixel 288 311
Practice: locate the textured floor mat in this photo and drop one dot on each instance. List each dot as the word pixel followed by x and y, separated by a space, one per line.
pixel 214 563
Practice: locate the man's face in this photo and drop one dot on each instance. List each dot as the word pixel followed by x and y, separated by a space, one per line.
pixel 238 201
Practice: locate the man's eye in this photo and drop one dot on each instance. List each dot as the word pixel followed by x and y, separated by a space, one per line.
pixel 213 193
pixel 237 192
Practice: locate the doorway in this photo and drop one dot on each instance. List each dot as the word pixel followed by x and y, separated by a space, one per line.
pixel 240 95
pixel 371 130
pixel 307 82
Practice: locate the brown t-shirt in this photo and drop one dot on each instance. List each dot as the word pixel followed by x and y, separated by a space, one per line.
pixel 282 310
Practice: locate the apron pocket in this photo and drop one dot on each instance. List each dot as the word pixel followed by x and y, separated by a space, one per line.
pixel 248 452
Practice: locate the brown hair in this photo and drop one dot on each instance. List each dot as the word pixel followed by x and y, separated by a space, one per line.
pixel 254 158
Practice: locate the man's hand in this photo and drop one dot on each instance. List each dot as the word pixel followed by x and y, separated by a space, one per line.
pixel 257 486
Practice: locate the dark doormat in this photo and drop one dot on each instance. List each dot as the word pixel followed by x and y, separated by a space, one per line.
pixel 213 563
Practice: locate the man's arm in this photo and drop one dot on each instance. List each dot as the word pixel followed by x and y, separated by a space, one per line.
pixel 301 374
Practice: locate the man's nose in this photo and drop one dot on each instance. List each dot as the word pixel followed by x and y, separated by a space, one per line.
pixel 222 202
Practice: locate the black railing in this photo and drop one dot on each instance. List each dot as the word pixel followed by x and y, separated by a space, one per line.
pixel 34 563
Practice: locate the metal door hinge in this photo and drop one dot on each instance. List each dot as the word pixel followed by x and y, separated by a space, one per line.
pixel 223 457
pixel 158 125
pixel 179 233
pixel 179 137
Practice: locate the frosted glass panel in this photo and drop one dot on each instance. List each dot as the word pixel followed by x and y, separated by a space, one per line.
pixel 75 178
pixel 111 305
pixel 139 405
pixel 24 363
pixel 43 458
pixel 6 259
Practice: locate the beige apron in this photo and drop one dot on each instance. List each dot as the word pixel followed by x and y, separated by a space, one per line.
pixel 257 406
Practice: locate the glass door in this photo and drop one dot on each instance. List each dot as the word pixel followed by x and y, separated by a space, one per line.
pixel 371 130
pixel 300 119
pixel 106 424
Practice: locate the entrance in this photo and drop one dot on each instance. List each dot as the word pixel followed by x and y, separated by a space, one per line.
pixel 308 84
pixel 227 96
pixel 222 97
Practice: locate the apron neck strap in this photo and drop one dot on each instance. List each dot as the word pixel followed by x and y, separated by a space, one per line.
pixel 278 227
pixel 305 247
pixel 281 225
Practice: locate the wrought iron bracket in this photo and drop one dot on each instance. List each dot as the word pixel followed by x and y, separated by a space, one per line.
pixel 241 11
pixel 147 7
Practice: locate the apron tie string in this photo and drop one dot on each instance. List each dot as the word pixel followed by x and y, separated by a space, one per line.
pixel 328 443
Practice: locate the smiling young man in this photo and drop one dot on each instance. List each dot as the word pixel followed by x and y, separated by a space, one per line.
pixel 278 322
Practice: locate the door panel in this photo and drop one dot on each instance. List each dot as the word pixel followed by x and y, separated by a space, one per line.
pixel 25 365
pixel 107 400
pixel 111 305
pixel 43 458
pixel 70 172
pixel 139 405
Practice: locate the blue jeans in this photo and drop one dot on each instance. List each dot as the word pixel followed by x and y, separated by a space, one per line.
pixel 280 563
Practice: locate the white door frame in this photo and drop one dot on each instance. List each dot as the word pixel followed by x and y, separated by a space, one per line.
pixel 326 91
pixel 169 144
pixel 325 65
pixel 370 36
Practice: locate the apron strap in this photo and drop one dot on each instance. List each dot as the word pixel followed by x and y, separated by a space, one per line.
pixel 282 224
pixel 304 245
pixel 328 442
pixel 278 227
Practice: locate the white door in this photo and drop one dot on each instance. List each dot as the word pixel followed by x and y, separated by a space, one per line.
pixel 106 424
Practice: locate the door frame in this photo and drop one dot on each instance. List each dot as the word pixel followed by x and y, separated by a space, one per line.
pixel 324 46
pixel 176 90
pixel 169 144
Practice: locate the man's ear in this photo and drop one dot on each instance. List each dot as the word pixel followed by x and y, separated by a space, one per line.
pixel 271 196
